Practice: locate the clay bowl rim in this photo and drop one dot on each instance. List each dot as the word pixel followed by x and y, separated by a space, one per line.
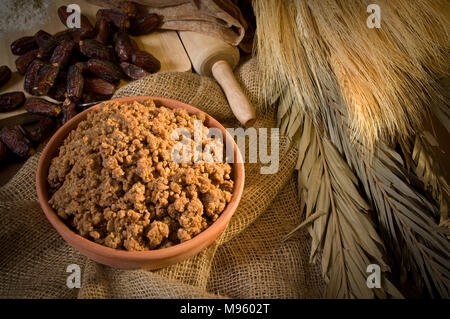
pixel 213 231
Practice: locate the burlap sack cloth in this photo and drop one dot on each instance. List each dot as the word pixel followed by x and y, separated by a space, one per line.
pixel 249 260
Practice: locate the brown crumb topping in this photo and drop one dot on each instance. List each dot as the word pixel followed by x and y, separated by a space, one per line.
pixel 114 180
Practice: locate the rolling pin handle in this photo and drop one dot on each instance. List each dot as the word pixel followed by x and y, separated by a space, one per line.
pixel 239 103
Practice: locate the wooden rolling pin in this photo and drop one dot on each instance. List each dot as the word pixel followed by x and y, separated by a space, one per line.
pixel 213 57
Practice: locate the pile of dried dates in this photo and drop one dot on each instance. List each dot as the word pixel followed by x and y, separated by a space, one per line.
pixel 74 67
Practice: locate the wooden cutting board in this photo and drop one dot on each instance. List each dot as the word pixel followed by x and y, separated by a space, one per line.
pixel 164 45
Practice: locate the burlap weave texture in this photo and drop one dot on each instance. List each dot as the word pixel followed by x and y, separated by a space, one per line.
pixel 249 260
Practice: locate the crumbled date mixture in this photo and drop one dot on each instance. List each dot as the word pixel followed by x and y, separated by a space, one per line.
pixel 114 180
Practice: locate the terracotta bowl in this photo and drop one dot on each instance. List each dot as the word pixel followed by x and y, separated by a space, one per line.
pixel 152 259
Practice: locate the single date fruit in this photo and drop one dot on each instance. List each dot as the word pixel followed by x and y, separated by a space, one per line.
pixel 105 70
pixel 116 18
pixel 99 86
pixel 45 79
pixel 133 71
pixel 10 101
pixel 31 76
pixel 39 106
pixel 146 61
pixel 75 83
pixel 68 110
pixel 103 31
pixel 15 139
pixel 123 46
pixel 46 43
pixel 24 61
pixel 94 49
pixel 145 24
pixel 5 75
pixel 62 54
pixel 23 45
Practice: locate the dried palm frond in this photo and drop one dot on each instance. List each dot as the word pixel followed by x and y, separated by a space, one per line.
pixel 442 110
pixel 408 221
pixel 426 167
pixel 386 75
pixel 442 113
pixel 337 219
pixel 335 213
pixel 360 86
